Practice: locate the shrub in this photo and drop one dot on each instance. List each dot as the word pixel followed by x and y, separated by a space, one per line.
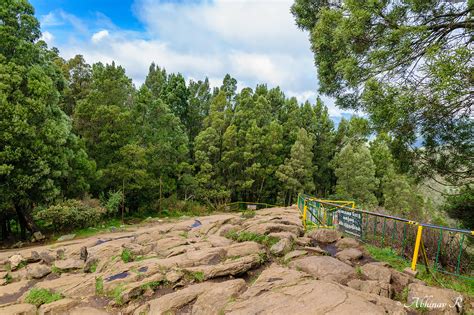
pixel 68 215
pixel 127 255
pixel 39 297
pixel 113 202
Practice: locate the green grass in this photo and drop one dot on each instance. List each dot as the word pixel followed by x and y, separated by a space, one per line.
pixel 248 214
pixel 39 297
pixel 8 278
pixel 440 280
pixel 56 270
pixel 127 256
pixel 93 267
pixel 116 294
pixel 153 285
pixel 104 227
pixel 184 234
pixel 358 271
pixel 197 276
pixel 249 236
pixel 99 286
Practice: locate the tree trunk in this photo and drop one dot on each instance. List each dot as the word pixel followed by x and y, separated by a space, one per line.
pixel 25 220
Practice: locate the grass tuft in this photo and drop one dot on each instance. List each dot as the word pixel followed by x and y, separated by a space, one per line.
pixel 99 286
pixel 249 236
pixel 39 297
pixel 127 255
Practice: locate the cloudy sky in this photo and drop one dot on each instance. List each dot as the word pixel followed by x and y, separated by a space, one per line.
pixel 254 41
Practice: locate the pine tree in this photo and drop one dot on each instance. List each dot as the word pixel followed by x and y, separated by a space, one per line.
pixel 296 174
pixel 355 173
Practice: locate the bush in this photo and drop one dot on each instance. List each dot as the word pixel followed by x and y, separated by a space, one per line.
pixel 68 215
pixel 174 207
pixel 113 202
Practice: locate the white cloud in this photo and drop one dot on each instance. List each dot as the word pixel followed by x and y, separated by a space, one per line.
pixel 47 37
pixel 254 41
pixel 97 37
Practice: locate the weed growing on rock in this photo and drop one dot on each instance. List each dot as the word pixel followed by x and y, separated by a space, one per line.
pixel 127 255
pixel 56 270
pixel 39 297
pixel 248 214
pixel 249 236
pixel 99 286
pixel 116 294
pixel 8 278
pixel 153 285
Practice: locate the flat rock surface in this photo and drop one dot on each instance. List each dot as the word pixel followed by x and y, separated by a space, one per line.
pixel 218 264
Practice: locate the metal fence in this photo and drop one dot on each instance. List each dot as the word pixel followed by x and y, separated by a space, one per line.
pixel 447 250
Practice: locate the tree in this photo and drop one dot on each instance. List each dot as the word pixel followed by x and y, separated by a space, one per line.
pixel 296 174
pixel 78 75
pixel 401 197
pixel 383 160
pixel 405 63
pixel 104 120
pixel 459 206
pixel 38 152
pixel 355 173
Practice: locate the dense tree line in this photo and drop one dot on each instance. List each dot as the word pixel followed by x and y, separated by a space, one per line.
pixel 70 130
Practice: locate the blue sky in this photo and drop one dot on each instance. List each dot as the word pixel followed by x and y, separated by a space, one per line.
pixel 254 41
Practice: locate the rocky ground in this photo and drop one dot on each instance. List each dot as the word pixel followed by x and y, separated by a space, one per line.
pixel 219 264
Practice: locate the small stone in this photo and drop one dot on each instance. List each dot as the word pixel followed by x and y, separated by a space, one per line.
pixel 295 254
pixel 92 261
pixel 349 254
pixel 84 253
pixel 317 250
pixel 15 261
pixel 33 257
pixel 37 236
pixel 69 264
pixel 281 247
pixel 18 244
pixel 324 235
pixel 38 271
pixel 47 257
pixel 346 242
pixel 303 241
pixel 66 237
pixel 60 253
pixel 410 272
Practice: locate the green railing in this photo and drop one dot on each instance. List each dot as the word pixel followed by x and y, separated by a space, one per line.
pixel 444 249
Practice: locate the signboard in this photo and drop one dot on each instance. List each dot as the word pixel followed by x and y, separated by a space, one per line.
pixel 251 207
pixel 350 222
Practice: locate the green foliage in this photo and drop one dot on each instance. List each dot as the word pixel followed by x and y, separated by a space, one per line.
pixel 248 214
pixel 127 255
pixel 355 172
pixel 197 276
pixel 39 297
pixel 113 202
pixel 153 285
pixel 116 294
pixel 99 286
pixel 249 236
pixel 405 64
pixel 401 197
pixel 69 215
pixel 460 206
pixel 296 174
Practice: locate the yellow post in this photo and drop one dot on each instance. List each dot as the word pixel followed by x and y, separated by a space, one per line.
pixel 417 247
pixel 305 209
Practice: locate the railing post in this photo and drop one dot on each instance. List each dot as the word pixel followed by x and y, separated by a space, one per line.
pixel 305 210
pixel 417 247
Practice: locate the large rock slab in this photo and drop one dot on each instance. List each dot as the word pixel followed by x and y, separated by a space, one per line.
pixel 57 307
pixel 437 300
pixel 69 264
pixel 19 309
pixel 210 298
pixel 324 267
pixel 277 291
